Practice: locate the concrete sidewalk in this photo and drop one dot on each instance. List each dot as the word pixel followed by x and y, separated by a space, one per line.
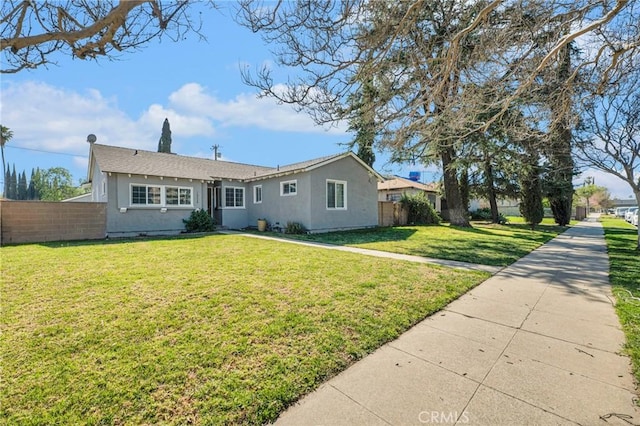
pixel 538 343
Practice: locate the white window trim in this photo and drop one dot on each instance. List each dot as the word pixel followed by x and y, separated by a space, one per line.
pixel 255 192
pixel 145 205
pixel 326 195
pixel 224 197
pixel 164 195
pixel 163 200
pixel 290 194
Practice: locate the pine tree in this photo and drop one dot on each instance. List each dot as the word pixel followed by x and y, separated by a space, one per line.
pixel 164 144
pixel 22 186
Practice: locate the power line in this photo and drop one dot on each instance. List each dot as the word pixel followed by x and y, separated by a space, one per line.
pixel 46 152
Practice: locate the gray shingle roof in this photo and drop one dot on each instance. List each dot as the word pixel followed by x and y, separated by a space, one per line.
pixel 296 167
pixel 136 161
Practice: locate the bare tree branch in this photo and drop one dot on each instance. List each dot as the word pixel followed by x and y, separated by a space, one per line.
pixel 33 31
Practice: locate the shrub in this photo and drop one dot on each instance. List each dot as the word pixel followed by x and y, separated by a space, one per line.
pixel 419 209
pixel 481 214
pixel 485 214
pixel 294 228
pixel 199 221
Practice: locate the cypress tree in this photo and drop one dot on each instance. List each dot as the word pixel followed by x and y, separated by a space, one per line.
pixel 531 207
pixel 31 189
pixel 13 184
pixel 22 186
pixel 164 144
pixel 37 176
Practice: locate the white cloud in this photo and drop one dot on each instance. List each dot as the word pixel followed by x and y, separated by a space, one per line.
pixel 246 110
pixel 182 125
pixel 55 119
pixel 59 119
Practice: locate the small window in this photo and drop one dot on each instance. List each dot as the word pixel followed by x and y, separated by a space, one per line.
pixel 257 194
pixel 145 195
pixel 289 187
pixel 171 196
pixel 336 195
pixel 185 196
pixel 104 187
pixel 233 197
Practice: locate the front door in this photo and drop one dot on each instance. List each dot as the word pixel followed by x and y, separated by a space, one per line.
pixel 214 203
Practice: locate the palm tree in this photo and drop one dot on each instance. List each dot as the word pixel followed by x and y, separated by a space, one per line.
pixel 5 136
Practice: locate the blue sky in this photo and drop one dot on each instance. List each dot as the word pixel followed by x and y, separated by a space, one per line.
pixel 193 83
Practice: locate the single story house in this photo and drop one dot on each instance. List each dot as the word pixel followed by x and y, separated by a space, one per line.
pixel 508 204
pixel 393 188
pixel 152 192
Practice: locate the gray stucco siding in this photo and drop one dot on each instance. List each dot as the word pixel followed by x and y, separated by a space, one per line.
pixel 99 186
pixel 280 209
pixel 361 197
pixel 153 219
pixel 235 217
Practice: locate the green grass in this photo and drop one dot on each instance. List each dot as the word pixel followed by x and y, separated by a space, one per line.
pixel 624 273
pixel 211 330
pixel 487 244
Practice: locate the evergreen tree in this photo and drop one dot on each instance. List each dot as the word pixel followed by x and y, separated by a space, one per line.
pixel 55 184
pixel 363 123
pixel 531 207
pixel 13 185
pixel 164 144
pixel 22 186
pixel 561 170
pixel 37 179
pixel 31 189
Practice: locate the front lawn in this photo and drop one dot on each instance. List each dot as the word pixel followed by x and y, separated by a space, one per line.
pixel 486 244
pixel 209 330
pixel 624 273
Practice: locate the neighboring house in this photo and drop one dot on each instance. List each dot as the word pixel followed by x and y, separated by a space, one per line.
pixel 151 192
pixel 392 189
pixel 84 198
pixel 482 203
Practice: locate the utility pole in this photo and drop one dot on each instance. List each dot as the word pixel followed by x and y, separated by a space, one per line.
pixel 215 148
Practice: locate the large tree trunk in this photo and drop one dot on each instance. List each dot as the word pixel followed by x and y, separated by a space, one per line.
pixel 457 210
pixel 491 190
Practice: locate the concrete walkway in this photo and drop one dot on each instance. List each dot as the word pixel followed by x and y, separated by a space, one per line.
pixel 536 344
pixel 419 259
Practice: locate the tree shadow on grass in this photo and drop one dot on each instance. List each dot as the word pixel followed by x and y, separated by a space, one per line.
pixel 360 236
